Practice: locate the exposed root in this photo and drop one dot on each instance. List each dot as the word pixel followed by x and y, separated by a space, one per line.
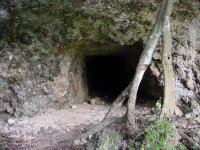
pixel 96 129
pixel 169 111
pixel 119 101
pixel 106 121
pixel 190 140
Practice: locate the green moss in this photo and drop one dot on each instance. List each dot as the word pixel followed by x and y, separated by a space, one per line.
pixel 109 140
pixel 183 12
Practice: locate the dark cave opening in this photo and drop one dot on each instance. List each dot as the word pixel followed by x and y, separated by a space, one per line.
pixel 108 75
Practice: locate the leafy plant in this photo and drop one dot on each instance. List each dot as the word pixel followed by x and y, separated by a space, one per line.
pixel 194 148
pixel 158 103
pixel 160 134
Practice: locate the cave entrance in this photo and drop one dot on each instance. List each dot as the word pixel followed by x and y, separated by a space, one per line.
pixel 108 75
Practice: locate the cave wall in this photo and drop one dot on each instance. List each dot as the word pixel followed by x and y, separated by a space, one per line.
pixel 186 56
pixel 42 45
pixel 32 81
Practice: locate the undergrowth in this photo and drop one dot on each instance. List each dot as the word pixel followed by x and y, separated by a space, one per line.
pixel 159 135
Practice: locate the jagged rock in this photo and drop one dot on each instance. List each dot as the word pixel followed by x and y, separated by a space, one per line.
pixel 187 116
pixel 80 142
pixel 196 135
pixel 96 101
pixel 42 51
pixel 108 139
pixel 74 107
pixel 11 121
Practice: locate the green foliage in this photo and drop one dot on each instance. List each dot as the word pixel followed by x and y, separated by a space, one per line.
pixel 181 147
pixel 159 135
pixel 158 103
pixel 194 148
pixel 10 140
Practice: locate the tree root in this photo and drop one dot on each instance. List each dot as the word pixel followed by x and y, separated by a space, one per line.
pixel 96 129
pixel 170 110
pixel 106 121
pixel 144 62
pixel 190 140
pixel 118 101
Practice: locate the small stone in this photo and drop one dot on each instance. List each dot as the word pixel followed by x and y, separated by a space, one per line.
pixel 157 56
pixel 153 117
pixel 77 142
pixel 185 100
pixel 74 106
pixel 196 111
pixel 190 85
pixel 49 129
pixel 46 90
pixel 11 121
pixel 85 103
pixel 84 141
pixel 42 131
pixel 102 103
pixel 80 142
pixel 93 101
pixel 197 119
pixel 187 116
pixel 196 135
pixel 24 121
pixel 5 129
pixel 194 103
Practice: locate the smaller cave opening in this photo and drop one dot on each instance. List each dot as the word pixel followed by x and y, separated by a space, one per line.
pixel 108 75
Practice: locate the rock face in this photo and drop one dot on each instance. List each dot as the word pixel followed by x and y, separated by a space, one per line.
pixel 31 82
pixel 43 44
pixel 108 139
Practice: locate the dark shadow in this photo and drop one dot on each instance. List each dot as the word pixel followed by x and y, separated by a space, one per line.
pixel 108 75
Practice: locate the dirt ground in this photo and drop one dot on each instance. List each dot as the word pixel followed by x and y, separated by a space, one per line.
pixel 44 131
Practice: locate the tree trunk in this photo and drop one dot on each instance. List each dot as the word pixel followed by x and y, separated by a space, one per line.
pixel 169 103
pixel 144 62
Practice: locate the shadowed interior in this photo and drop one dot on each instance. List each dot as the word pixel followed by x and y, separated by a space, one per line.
pixel 108 75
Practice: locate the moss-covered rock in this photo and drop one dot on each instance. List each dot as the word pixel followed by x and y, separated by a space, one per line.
pixel 108 139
